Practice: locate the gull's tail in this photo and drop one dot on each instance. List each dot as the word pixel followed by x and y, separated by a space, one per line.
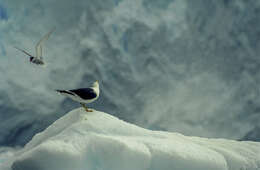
pixel 65 92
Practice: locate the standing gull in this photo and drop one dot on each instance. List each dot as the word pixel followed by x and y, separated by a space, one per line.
pixel 84 95
pixel 38 59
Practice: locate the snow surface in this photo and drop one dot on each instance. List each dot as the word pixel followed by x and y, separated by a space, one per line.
pixel 99 141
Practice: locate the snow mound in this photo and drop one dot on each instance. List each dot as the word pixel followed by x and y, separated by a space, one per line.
pixel 99 141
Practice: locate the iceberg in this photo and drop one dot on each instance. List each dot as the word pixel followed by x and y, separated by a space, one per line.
pixel 99 141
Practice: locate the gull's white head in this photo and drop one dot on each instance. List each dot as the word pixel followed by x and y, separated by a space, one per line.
pixel 96 87
pixel 95 84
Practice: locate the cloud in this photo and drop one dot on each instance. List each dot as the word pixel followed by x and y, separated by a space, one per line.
pixel 6 154
pixel 3 13
pixel 184 67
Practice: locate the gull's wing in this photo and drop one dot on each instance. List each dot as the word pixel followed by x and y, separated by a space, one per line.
pixel 23 51
pixel 40 43
pixel 84 93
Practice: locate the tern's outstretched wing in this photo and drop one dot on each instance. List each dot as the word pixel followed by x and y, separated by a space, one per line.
pixel 40 43
pixel 24 51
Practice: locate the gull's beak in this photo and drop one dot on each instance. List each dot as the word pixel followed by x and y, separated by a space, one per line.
pixel 96 81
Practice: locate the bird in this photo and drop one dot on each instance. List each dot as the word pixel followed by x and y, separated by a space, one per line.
pixel 37 59
pixel 83 95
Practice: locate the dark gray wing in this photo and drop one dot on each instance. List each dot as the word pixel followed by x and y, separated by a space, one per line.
pixel 85 93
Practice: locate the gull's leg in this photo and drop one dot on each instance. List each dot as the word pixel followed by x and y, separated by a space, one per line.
pixel 85 107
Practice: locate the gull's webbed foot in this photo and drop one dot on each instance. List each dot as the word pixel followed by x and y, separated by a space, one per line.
pixel 89 110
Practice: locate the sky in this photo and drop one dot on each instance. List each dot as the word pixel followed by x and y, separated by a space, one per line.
pixel 175 65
